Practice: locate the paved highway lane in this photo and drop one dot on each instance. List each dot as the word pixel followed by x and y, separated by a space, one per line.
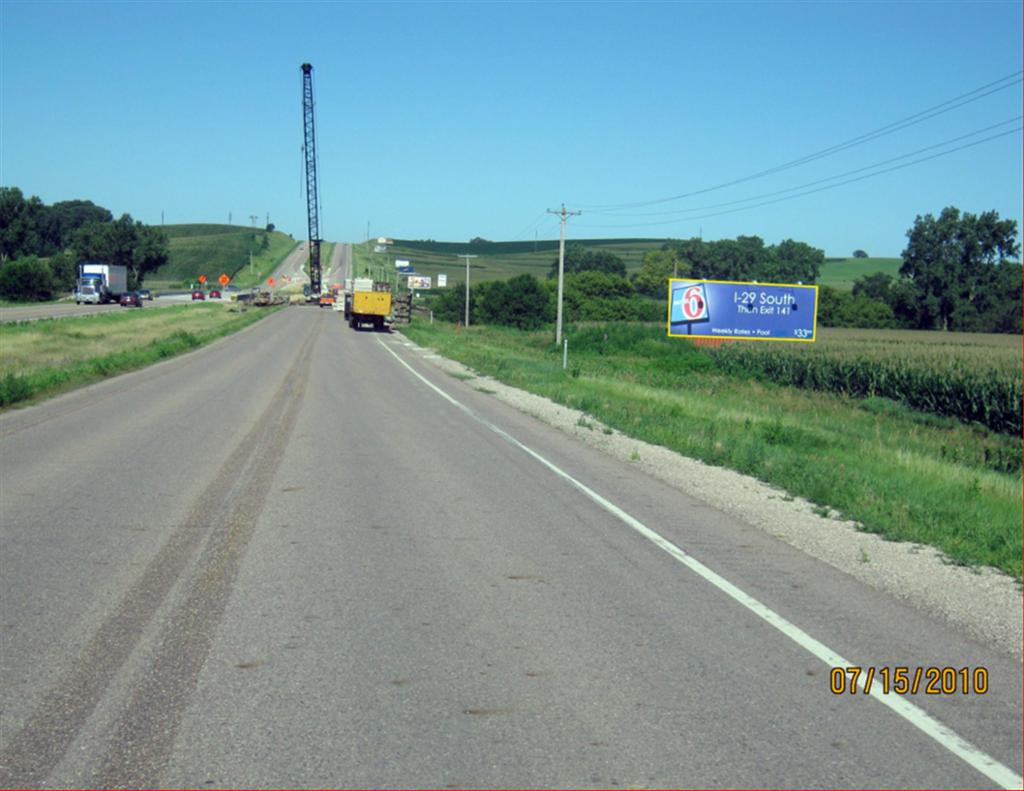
pixel 57 310
pixel 292 267
pixel 339 267
pixel 316 570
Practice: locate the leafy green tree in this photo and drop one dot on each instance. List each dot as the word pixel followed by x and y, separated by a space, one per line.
pixel 996 307
pixel 580 259
pixel 877 286
pixel 739 259
pixel 519 302
pixel 19 224
pixel 950 261
pixel 140 248
pixel 450 304
pixel 26 279
pixel 843 309
pixel 791 262
pixel 859 254
pixel 600 296
pixel 29 227
pixel 59 222
pixel 64 268
pixel 658 266
pixel 746 258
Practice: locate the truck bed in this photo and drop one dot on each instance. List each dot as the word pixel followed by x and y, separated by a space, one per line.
pixel 371 303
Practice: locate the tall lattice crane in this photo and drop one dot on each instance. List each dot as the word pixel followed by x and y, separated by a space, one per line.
pixel 312 195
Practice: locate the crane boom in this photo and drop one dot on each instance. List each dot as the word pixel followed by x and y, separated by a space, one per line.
pixel 312 205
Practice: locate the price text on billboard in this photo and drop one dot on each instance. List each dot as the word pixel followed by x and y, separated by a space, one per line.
pixel 744 311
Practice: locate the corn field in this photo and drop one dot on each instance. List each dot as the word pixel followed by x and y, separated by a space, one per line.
pixel 974 378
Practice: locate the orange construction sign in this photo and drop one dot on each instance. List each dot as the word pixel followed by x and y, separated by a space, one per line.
pixel 271 281
pixel 223 280
pixel 202 278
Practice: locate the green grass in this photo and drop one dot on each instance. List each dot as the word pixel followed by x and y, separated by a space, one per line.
pixel 213 250
pixel 900 474
pixel 46 357
pixel 840 274
pixel 495 260
pixel 505 260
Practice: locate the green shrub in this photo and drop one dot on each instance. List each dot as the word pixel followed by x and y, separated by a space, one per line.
pixel 27 279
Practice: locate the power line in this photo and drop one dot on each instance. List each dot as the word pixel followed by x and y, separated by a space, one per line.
pixel 819 189
pixel 535 223
pixel 681 212
pixel 895 126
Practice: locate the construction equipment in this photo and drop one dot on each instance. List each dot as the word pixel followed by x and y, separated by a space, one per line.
pixel 368 302
pixel 402 308
pixel 312 195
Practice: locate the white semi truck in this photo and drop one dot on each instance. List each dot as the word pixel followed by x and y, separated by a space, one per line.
pixel 100 283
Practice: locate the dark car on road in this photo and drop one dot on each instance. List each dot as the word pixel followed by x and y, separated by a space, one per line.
pixel 198 295
pixel 145 293
pixel 131 299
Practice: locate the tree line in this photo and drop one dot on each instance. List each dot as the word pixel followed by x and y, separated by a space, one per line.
pixel 960 272
pixel 41 246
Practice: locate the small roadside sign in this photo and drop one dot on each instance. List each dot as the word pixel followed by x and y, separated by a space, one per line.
pixel 223 280
pixel 442 280
pixel 202 278
pixel 271 281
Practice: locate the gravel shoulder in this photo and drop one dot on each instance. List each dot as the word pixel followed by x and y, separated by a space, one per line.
pixel 983 602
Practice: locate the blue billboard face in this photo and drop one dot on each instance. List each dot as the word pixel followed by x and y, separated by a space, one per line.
pixel 748 311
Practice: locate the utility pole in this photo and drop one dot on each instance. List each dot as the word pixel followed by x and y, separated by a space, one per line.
pixel 253 218
pixel 467 257
pixel 564 215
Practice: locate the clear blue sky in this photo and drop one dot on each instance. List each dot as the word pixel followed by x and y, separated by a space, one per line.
pixel 455 120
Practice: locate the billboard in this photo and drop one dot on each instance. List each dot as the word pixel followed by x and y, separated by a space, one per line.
pixel 403 267
pixel 419 281
pixel 744 311
pixel 442 280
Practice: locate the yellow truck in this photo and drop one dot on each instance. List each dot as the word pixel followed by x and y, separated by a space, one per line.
pixel 368 302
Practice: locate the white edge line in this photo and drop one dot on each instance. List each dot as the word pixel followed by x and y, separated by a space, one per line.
pixel 945 736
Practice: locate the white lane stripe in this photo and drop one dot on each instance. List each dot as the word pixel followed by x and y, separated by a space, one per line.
pixel 945 736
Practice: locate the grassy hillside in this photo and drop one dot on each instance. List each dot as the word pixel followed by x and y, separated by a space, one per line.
pixel 504 260
pixel 211 250
pixel 497 260
pixel 840 273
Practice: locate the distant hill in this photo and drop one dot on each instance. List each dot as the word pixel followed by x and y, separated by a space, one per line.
pixel 208 249
pixel 840 273
pixel 504 260
pixel 501 260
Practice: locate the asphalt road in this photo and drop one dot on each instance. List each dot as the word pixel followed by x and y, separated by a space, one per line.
pixel 291 268
pixel 58 310
pixel 287 560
